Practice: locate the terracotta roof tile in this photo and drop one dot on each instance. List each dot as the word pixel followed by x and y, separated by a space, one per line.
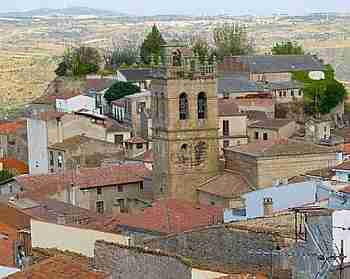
pixel 59 267
pixel 343 166
pixel 280 147
pixel 40 186
pixel 50 115
pixel 172 216
pixel 13 164
pixel 51 99
pixel 228 185
pixel 273 124
pixel 98 84
pixel 228 107
pixel 12 127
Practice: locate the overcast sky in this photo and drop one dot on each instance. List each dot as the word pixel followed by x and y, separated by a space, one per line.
pixel 197 7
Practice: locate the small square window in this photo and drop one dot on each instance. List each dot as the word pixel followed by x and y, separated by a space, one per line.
pixel 265 136
pixel 139 146
pixel 99 191
pixel 226 143
pixel 120 188
pixel 141 187
pixel 100 207
pixel 256 135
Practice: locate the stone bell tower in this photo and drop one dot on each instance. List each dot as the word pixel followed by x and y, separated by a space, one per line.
pixel 185 136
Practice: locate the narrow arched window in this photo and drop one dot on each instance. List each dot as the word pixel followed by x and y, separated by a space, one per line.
pixel 183 107
pixel 184 153
pixel 202 105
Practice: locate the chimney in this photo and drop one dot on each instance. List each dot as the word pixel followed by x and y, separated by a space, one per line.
pixel 268 206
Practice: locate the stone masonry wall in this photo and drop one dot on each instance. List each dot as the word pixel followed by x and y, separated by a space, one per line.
pixel 133 263
pixel 218 245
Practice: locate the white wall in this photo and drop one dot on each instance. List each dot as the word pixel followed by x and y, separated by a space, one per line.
pixel 76 103
pixel 79 240
pixel 205 274
pixel 341 218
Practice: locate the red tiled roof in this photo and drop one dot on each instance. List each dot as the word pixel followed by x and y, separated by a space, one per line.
pixel 136 140
pixel 51 99
pixel 13 164
pixel 59 267
pixel 228 107
pixel 260 102
pixel 50 115
pixel 11 127
pixel 228 185
pixel 40 186
pixel 170 216
pixel 98 84
pixel 8 235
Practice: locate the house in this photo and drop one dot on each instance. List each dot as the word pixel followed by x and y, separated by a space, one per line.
pixel 271 162
pixel 342 172
pixel 139 76
pixel 318 130
pixel 61 126
pixel 75 102
pixel 82 151
pixel 138 113
pixel 136 146
pixel 287 91
pixel 25 140
pixel 232 124
pixel 171 215
pixel 105 190
pixel 271 129
pixel 270 68
pixel 61 267
pixel 224 190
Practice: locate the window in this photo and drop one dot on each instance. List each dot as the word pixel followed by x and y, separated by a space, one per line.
pixel 226 127
pixel 121 203
pixel 118 139
pixel 141 187
pixel 226 95
pixel 183 107
pixel 139 145
pixel 100 207
pixel 60 160
pixel 292 93
pixel 256 136
pixel 349 177
pixel 52 162
pixel 212 203
pixel 284 93
pixel 280 93
pixel 202 105
pixel 226 143
pixel 141 107
pixel 184 153
pixel 265 136
pixel 120 188
pixel 200 151
pixel 300 92
pixel 99 191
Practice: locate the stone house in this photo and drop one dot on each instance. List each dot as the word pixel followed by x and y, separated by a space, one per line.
pixel 138 112
pixel 232 124
pixel 61 126
pixel 267 163
pixel 318 130
pixel 105 190
pixel 271 129
pixel 287 91
pixel 82 151
pixel 136 146
pixel 225 190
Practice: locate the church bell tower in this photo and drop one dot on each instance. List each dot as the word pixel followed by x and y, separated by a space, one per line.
pixel 184 122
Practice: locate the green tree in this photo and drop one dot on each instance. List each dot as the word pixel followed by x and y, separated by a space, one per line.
pixel 231 39
pixel 121 89
pixel 79 61
pixel 323 95
pixel 287 47
pixel 201 48
pixel 5 175
pixel 151 46
pixel 124 56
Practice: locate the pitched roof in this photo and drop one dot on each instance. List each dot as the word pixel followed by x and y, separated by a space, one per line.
pixel 13 164
pixel 289 84
pixel 229 184
pixel 59 267
pixel 281 147
pixel 228 107
pixel 14 217
pixel 79 140
pixel 12 127
pixel 269 123
pixel 51 99
pixel 136 74
pixel 98 84
pixel 281 63
pixel 40 186
pixel 171 215
pixel 256 115
pixel 237 85
pixel 344 166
